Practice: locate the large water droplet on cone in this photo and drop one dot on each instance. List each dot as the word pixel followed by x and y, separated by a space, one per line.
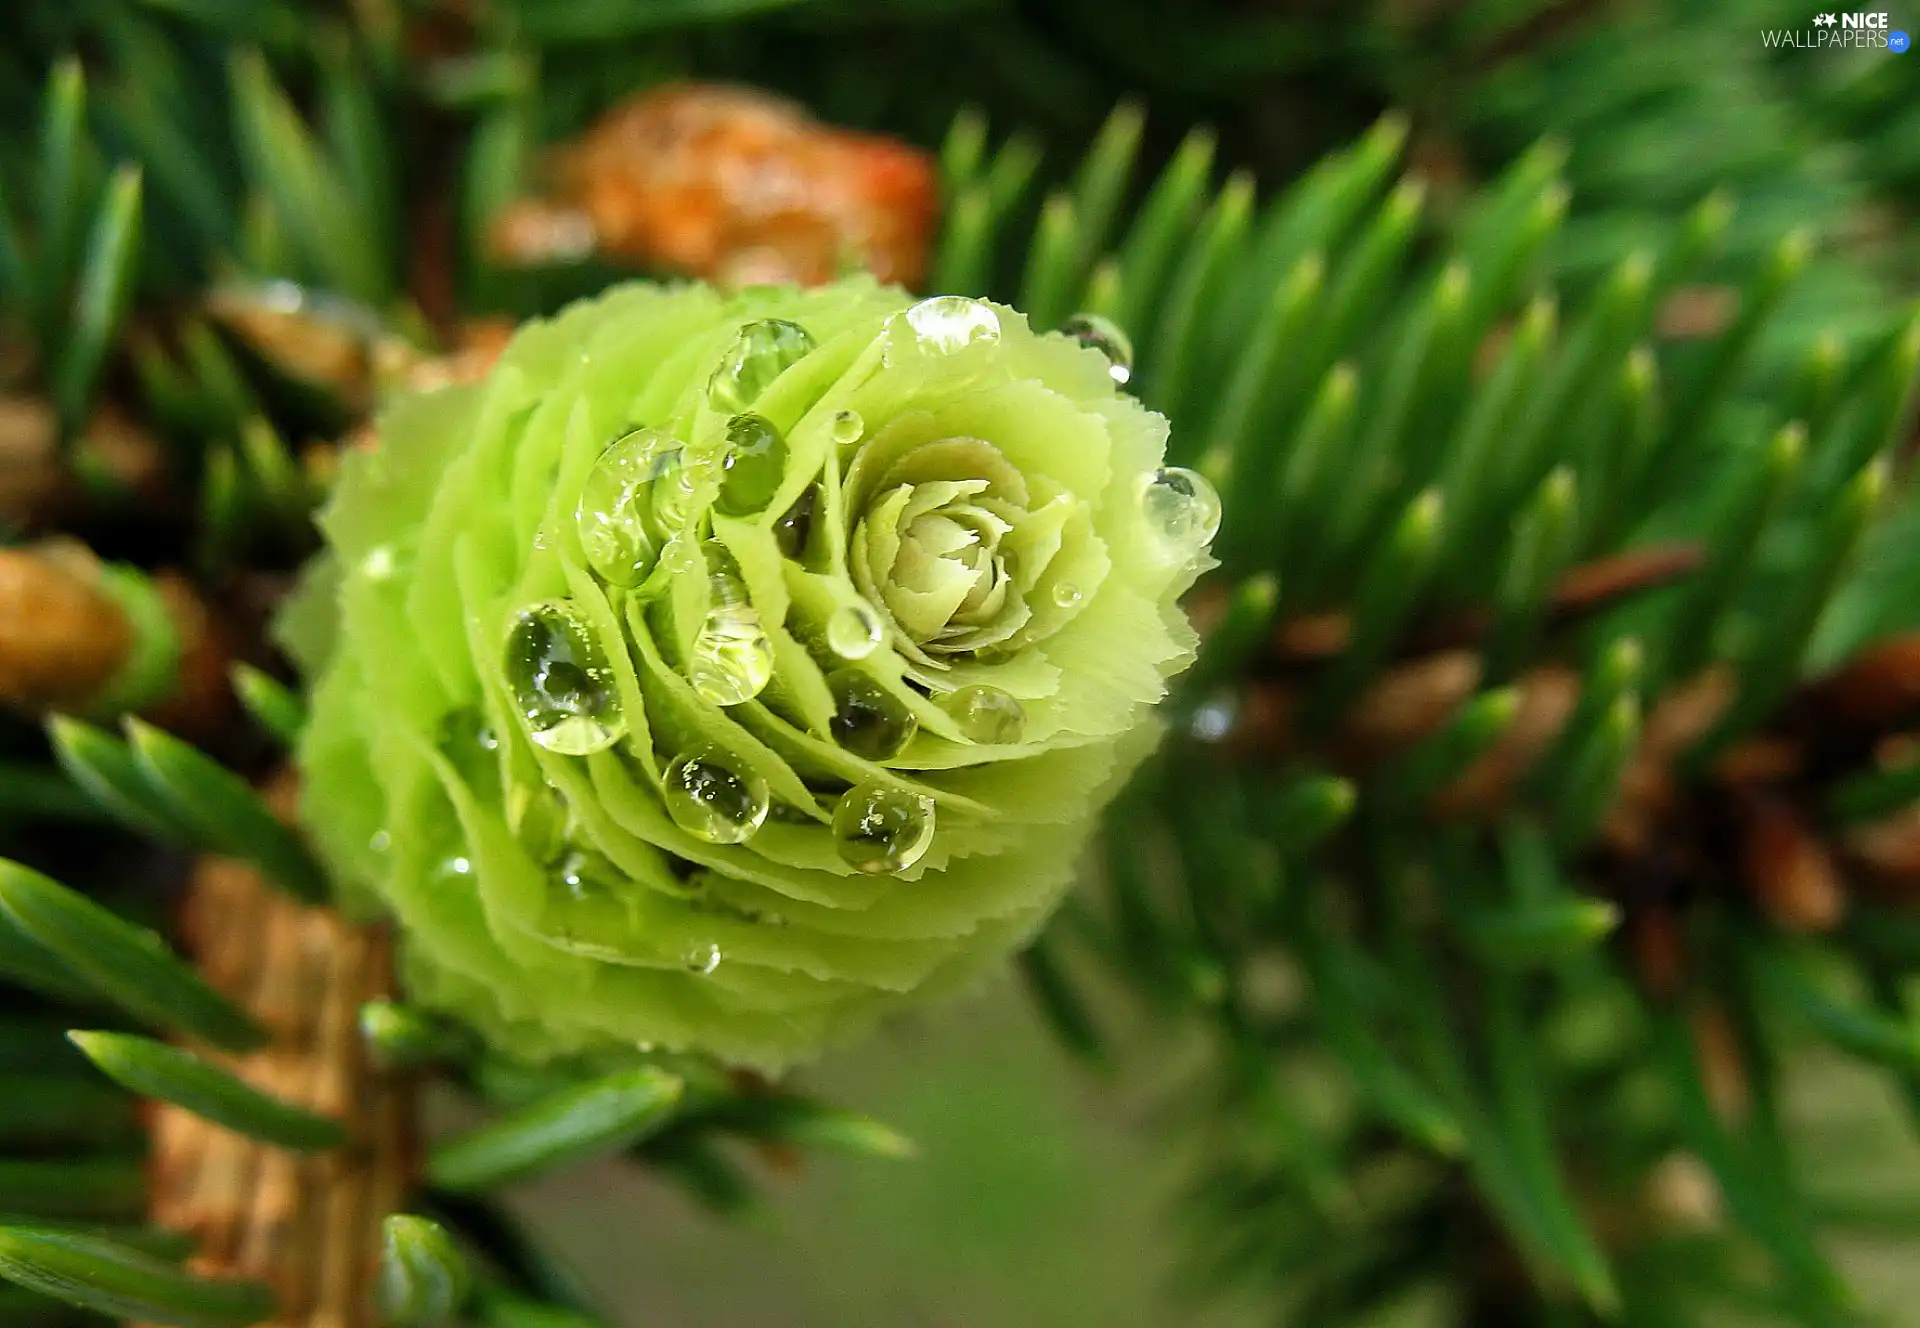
pixel 986 714
pixel 1105 336
pixel 713 798
pixel 878 828
pixel 561 680
pixel 868 720
pixel 671 505
pixel 732 654
pixel 755 463
pixel 847 426
pixel 760 353
pixel 795 527
pixel 940 326
pixel 854 631
pixel 1181 508
pixel 634 498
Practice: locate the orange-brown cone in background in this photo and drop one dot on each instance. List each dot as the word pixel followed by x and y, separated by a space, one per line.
pixel 1788 867
pixel 65 637
pixel 732 185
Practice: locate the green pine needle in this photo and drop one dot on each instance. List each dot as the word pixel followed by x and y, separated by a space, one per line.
pixel 593 1119
pixel 223 812
pixel 124 963
pixel 125 1283
pixel 169 1074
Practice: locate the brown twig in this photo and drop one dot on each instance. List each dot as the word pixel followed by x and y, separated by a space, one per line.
pixel 307 1226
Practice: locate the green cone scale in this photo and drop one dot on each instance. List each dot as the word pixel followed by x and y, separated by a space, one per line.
pixel 582 716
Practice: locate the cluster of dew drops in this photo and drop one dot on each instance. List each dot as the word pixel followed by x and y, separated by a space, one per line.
pixel 632 518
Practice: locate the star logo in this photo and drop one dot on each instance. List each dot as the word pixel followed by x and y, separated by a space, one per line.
pixel 1824 20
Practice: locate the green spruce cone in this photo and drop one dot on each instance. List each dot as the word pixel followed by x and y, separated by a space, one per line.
pixel 723 673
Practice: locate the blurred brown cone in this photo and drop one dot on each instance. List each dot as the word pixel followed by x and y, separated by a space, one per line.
pixel 734 185
pixel 62 636
pixel 1792 875
pixel 65 638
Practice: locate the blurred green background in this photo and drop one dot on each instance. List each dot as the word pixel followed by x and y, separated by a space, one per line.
pixel 1036 1199
pixel 1040 1197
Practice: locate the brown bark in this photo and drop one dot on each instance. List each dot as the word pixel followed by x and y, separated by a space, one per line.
pixel 308 1226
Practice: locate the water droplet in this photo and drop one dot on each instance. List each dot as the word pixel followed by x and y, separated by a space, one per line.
pixel 584 873
pixel 986 714
pixel 855 631
pixel 379 564
pixel 879 828
pixel 1213 720
pixel 713 798
pixel 703 959
pixel 941 326
pixel 380 842
pixel 560 679
pixel 732 655
pixel 759 354
pixel 1181 507
pixel 755 464
pixel 1105 336
pixel 618 517
pixel 672 496
pixel 450 873
pixel 679 557
pixel 868 720
pixel 795 527
pixel 1066 594
pixel 847 426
